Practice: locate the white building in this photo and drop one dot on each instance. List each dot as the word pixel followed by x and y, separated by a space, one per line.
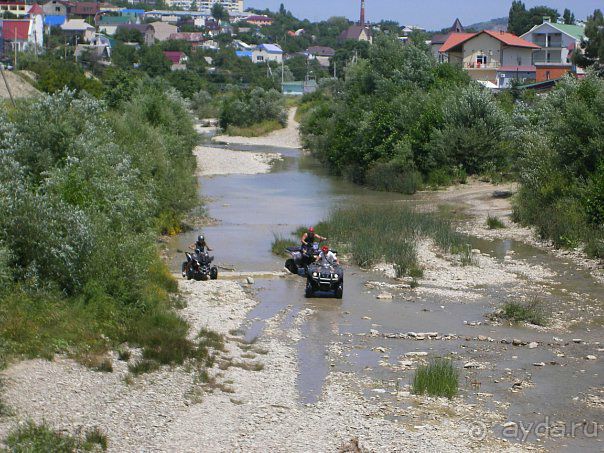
pixel 205 6
pixel 267 52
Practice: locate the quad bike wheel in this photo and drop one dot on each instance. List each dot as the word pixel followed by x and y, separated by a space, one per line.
pixel 308 292
pixel 213 273
pixel 290 265
pixel 339 291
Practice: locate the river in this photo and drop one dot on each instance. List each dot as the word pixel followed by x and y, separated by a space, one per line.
pixel 336 334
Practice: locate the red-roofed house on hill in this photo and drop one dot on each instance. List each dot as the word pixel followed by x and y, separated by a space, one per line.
pixel 259 21
pixel 177 58
pixel 21 34
pixel 483 54
pixel 83 10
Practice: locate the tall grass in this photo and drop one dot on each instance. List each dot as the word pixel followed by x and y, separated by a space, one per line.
pixel 531 312
pixel 31 437
pixel 373 234
pixel 438 378
pixel 280 243
pixel 494 223
pixel 255 130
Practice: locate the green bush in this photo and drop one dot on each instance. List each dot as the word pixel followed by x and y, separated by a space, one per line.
pixel 41 438
pixel 438 378
pixel 390 177
pixel 244 108
pixel 531 312
pixel 494 223
pixel 280 243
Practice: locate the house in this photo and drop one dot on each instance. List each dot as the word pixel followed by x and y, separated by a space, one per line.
pixel 556 42
pixel 438 40
pixel 178 59
pixel 55 8
pixel 483 54
pixel 196 39
pixel 232 6
pixel 163 30
pixel 109 24
pixel 78 29
pixel 299 88
pixel 240 45
pixel 259 21
pixel 357 33
pixel 506 75
pixel 18 9
pixel 53 22
pixel 18 35
pixel 92 52
pixel 83 10
pixel 320 53
pixel 146 30
pixel 267 52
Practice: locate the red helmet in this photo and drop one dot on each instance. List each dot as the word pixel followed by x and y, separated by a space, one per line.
pixel 311 230
pixel 325 249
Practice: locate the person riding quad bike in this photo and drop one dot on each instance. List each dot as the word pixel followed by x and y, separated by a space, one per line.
pixel 327 257
pixel 309 238
pixel 199 246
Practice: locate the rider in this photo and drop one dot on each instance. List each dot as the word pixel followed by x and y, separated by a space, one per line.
pixel 309 237
pixel 199 246
pixel 327 257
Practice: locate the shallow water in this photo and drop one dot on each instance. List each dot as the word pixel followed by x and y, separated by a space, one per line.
pixel 252 208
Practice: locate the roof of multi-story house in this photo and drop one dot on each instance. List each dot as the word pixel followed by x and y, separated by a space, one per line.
pixel 354 32
pixel 575 31
pixel 457 27
pixel 270 48
pixel 15 30
pixel 509 39
pixel 115 20
pixel 321 51
pixel 190 37
pixel 76 25
pixel 143 28
pixel 85 8
pixel 174 56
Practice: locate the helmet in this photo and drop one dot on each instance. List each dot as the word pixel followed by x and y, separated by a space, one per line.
pixel 325 249
pixel 311 230
pixel 200 238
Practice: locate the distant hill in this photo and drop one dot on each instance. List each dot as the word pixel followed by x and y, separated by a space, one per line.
pixel 493 24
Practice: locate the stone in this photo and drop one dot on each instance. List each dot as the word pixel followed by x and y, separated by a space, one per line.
pixel 517 342
pixel 373 333
pixel 406 362
pixel 533 345
pixel 509 424
pixel 539 364
pixel 471 365
pixel 250 280
pixel 577 340
pixel 416 354
pixel 591 357
pixel 482 338
pixel 385 296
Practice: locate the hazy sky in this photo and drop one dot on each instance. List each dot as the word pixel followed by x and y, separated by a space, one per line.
pixel 430 14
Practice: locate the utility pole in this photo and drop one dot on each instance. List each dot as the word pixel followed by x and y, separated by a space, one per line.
pixel 10 94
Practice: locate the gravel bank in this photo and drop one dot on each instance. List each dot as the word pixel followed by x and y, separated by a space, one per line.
pixel 283 138
pixel 218 161
pixel 244 410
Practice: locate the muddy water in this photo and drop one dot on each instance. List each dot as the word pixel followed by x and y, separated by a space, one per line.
pixel 252 208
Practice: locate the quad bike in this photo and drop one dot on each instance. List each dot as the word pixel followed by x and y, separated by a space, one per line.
pixel 199 266
pixel 301 258
pixel 324 277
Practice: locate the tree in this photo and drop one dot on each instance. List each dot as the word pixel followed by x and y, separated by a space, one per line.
pixel 219 12
pixel 569 17
pixel 124 56
pixel 594 41
pixel 129 35
pixel 154 62
pixel 517 19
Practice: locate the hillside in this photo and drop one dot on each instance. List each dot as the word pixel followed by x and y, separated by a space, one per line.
pixel 18 84
pixel 493 24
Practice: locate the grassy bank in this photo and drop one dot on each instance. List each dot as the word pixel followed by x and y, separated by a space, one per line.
pixel 255 130
pixel 84 192
pixel 438 378
pixel 41 438
pixel 374 234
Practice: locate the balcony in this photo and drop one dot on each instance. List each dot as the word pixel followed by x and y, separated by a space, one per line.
pixel 473 65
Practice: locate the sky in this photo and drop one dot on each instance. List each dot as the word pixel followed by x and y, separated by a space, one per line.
pixel 428 14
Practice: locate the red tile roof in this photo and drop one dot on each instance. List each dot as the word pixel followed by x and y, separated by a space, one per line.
pixel 509 39
pixel 174 56
pixel 15 29
pixel 455 39
pixel 85 8
pixel 35 9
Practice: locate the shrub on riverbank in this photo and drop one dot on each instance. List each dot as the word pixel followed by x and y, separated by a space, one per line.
pixel 372 234
pixel 438 378
pixel 561 165
pixel 81 192
pixel 32 437
pixel 280 243
pixel 255 130
pixel 400 121
pixel 245 108
pixel 531 312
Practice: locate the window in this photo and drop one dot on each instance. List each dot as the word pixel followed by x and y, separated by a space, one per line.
pixel 481 60
pixel 259 58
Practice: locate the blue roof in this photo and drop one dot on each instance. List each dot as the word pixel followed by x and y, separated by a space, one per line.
pixel 271 48
pixel 243 53
pixel 139 12
pixel 54 21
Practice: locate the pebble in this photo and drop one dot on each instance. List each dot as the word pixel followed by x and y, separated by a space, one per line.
pixel 591 357
pixel 533 345
pixel 471 365
pixel 539 364
pixel 385 296
pixel 416 354
pixel 577 340
pixel 250 280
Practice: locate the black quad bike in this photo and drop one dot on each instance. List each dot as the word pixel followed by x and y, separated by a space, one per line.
pixel 301 258
pixel 321 277
pixel 200 267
